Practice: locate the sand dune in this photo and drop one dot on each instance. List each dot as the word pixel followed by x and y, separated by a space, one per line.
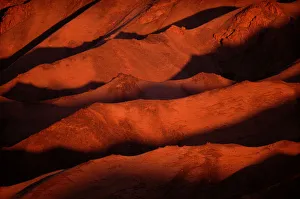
pixel 251 114
pixel 174 172
pixel 14 12
pixel 122 99
pixel 162 122
pixel 178 53
pixel 34 20
pixel 121 88
pixel 125 87
pixel 291 74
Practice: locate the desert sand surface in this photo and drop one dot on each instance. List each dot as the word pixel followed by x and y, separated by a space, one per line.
pixel 175 172
pixel 149 99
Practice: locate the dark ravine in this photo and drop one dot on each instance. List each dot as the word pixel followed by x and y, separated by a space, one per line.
pixel 7 62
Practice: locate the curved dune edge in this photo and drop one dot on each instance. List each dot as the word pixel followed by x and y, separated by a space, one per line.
pixel 9 192
pixel 12 40
pixel 94 24
pixel 162 122
pixel 14 14
pixel 173 172
pixel 126 87
pixel 251 114
pixel 93 106
pixel 175 49
pixel 291 74
pixel 28 118
pixel 121 88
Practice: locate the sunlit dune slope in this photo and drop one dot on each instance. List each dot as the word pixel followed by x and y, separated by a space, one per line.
pixel 208 171
pixel 262 33
pixel 163 122
pixel 26 21
pixel 121 88
pixel 149 99
pixel 251 114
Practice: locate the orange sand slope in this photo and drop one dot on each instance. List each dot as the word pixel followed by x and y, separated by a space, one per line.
pixel 251 114
pixel 149 99
pixel 207 171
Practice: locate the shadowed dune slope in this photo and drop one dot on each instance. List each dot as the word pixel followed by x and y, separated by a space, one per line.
pixel 291 74
pixel 173 119
pixel 106 16
pixel 24 119
pixel 251 114
pixel 149 99
pixel 208 171
pixel 12 13
pixel 257 42
pixel 180 118
pixel 178 53
pixel 127 88
pixel 35 21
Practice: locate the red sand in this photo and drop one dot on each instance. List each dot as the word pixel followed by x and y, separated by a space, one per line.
pixel 90 91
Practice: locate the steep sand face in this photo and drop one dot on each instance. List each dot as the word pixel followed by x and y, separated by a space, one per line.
pixel 96 25
pixel 174 172
pixel 124 55
pixel 13 190
pixel 35 22
pixel 292 8
pixel 190 14
pixel 13 13
pixel 264 25
pixel 161 122
pixel 9 3
pixel 105 93
pixel 84 80
pixel 18 116
pixel 251 114
pixel 250 21
pixel 179 53
pixel 291 74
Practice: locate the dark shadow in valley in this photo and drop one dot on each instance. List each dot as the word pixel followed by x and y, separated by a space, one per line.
pixel 4 9
pixel 190 22
pixel 277 49
pixel 294 79
pixel 266 53
pixel 18 121
pixel 26 59
pixel 200 18
pixel 274 177
pixel 5 63
pixel 2 12
pixel 35 184
pixel 130 35
pixel 264 128
pixel 28 165
pixel 29 93
pixel 294 76
pixel 108 94
pixel 21 120
pixel 291 75
pixel 30 57
pixel 44 56
pixel 279 123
